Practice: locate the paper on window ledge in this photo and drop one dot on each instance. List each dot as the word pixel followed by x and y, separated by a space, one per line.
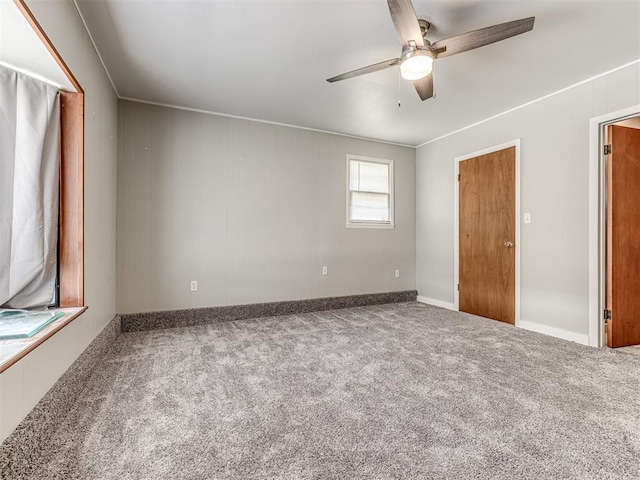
pixel 24 324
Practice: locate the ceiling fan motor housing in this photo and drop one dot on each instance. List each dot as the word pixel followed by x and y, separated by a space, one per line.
pixel 412 50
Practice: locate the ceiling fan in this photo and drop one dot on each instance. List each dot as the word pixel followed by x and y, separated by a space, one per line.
pixel 418 54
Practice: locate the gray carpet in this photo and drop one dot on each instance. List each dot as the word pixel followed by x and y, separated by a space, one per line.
pixel 402 391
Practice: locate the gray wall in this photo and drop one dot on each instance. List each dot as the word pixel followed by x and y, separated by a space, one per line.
pixel 250 210
pixel 26 382
pixel 554 188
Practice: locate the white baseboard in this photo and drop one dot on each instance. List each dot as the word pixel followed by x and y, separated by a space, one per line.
pixel 554 332
pixel 534 327
pixel 437 303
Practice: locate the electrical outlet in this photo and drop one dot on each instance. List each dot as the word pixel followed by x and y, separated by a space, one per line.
pixel 325 270
pixel 397 273
pixel 527 218
pixel 194 285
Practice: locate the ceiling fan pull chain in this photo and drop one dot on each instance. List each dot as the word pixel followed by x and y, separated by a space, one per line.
pixel 399 89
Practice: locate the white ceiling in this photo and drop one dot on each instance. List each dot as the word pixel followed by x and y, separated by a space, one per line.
pixel 268 59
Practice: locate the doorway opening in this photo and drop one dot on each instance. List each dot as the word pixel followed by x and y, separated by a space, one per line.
pixel 614 230
pixel 622 167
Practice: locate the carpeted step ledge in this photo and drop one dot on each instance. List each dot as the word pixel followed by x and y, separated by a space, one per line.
pixel 135 322
pixel 23 447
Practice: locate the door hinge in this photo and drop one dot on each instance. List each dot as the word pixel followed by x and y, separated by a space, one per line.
pixel 606 314
pixel 458 287
pixel 458 177
pixel 607 150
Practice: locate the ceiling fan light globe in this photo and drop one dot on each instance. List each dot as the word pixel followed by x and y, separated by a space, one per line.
pixel 416 67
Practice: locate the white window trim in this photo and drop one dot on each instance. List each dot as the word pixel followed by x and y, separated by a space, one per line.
pixel 368 224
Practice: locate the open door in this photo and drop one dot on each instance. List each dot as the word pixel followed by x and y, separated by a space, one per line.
pixel 487 230
pixel 623 236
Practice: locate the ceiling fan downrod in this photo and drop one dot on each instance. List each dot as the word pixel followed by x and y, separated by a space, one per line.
pixel 424 27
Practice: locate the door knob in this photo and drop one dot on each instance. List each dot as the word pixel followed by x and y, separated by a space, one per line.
pixel 508 244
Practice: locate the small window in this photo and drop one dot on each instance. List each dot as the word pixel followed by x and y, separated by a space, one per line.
pixel 369 192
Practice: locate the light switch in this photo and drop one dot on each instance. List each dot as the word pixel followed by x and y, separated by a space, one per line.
pixel 527 218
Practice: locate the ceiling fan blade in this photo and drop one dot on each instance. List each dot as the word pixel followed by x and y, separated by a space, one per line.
pixel 480 38
pixel 406 22
pixel 364 70
pixel 424 86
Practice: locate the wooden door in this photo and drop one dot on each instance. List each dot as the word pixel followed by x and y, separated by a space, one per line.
pixel 487 260
pixel 623 236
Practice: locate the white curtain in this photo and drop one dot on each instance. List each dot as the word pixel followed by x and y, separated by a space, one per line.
pixel 29 189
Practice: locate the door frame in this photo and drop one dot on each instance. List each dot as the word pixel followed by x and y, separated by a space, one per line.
pixel 598 220
pixel 456 221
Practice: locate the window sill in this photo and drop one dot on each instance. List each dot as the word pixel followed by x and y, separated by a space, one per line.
pixel 13 350
pixel 387 226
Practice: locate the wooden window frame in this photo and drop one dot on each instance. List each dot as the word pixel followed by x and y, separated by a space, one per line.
pixel 71 225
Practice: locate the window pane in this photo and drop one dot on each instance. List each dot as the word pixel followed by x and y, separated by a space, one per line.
pixel 374 177
pixel 354 169
pixel 368 177
pixel 369 207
